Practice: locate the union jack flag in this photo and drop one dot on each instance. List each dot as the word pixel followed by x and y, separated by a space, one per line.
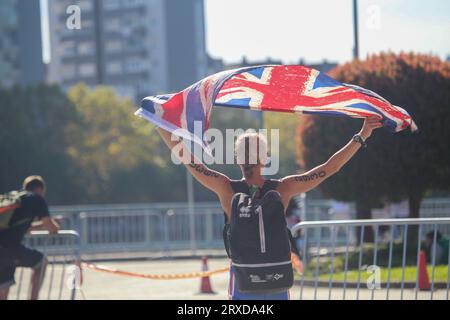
pixel 293 89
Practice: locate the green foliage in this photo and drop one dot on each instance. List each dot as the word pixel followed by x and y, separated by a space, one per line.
pixel 120 157
pixel 394 166
pixel 287 126
pixel 90 147
pixel 367 257
pixel 226 118
pixel 409 274
pixel 33 127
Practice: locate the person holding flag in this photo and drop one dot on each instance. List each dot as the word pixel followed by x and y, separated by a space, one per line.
pixel 255 234
pixel 240 199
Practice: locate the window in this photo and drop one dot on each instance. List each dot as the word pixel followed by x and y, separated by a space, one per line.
pixel 114 67
pixel 111 4
pixel 86 69
pixel 67 71
pixel 86 48
pixel 134 66
pixel 87 24
pixel 112 24
pixel 134 3
pixel 67 48
pixel 86 5
pixel 113 46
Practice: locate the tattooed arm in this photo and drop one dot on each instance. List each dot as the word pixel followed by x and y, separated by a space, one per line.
pixel 295 184
pixel 211 179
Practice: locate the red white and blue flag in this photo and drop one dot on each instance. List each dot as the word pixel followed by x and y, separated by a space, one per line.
pixel 293 89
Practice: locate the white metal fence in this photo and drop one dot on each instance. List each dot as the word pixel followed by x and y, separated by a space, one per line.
pixel 61 277
pixel 335 263
pixel 165 227
pixel 333 270
pixel 144 228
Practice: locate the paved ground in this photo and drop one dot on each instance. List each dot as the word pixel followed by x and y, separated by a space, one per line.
pixel 135 288
pixel 99 285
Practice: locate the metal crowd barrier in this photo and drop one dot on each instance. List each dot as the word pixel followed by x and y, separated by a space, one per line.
pixel 138 229
pixel 144 228
pixel 62 277
pixel 336 270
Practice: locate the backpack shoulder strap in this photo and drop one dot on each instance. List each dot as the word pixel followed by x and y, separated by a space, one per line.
pixel 270 184
pixel 237 186
pixel 240 186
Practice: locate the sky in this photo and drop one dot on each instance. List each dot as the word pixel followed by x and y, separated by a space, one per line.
pixel 323 29
pixel 314 30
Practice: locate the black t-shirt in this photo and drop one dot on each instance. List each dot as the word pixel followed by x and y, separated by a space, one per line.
pixel 32 206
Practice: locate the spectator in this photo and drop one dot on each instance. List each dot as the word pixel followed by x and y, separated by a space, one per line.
pixel 292 218
pixel 442 247
pixel 13 227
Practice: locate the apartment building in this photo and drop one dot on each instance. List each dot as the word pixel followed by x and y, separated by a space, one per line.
pixel 20 43
pixel 139 47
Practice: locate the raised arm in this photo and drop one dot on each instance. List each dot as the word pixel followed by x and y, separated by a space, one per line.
pixel 296 184
pixel 211 179
pixel 46 223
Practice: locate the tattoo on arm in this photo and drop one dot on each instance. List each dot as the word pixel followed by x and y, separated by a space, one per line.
pixel 203 170
pixel 312 176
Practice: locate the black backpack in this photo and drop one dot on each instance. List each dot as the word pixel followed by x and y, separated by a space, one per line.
pixel 8 203
pixel 258 241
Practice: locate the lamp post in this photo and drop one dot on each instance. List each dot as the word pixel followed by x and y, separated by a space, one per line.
pixel 355 30
pixel 190 198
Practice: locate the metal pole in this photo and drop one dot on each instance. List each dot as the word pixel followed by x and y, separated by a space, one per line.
pixel 305 262
pixel 405 237
pixel 190 196
pixel 99 41
pixel 303 207
pixel 355 30
pixel 261 120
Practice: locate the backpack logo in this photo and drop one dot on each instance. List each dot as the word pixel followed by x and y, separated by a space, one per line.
pixel 278 276
pixel 256 279
pixel 244 212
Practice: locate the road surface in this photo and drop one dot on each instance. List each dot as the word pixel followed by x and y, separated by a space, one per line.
pixel 98 285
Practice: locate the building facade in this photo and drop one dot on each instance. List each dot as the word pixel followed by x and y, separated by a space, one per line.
pixel 20 43
pixel 140 47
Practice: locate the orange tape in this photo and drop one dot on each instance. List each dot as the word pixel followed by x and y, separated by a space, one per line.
pixel 153 276
pixel 297 264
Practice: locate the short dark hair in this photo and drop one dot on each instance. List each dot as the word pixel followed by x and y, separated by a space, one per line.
pixel 31 183
pixel 430 235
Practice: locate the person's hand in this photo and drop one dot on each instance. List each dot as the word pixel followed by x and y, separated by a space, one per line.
pixel 50 225
pixel 369 125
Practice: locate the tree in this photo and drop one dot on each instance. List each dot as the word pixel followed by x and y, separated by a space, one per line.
pixel 33 137
pixel 394 166
pixel 286 123
pixel 119 157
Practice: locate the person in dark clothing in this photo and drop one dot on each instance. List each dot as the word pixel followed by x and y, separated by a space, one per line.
pixel 442 247
pixel 12 252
